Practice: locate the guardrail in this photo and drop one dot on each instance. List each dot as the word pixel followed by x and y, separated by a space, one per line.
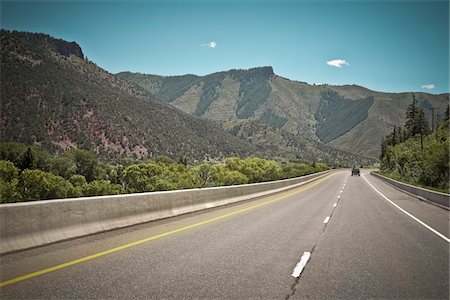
pixel 442 199
pixel 30 224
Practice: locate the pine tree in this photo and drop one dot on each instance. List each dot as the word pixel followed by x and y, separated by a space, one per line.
pixel 411 117
pixel 416 123
pixel 422 123
pixel 28 160
pixel 446 115
pixel 383 148
pixel 394 136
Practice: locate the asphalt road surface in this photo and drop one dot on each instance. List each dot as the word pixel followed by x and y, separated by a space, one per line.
pixel 359 245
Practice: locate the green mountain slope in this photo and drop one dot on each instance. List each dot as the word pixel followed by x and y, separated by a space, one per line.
pixel 337 115
pixel 52 96
pixel 350 118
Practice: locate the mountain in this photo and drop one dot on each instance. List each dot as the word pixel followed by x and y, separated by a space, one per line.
pixel 53 96
pixel 348 118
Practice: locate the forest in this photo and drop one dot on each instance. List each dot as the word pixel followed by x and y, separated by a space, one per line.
pixel 416 153
pixel 29 172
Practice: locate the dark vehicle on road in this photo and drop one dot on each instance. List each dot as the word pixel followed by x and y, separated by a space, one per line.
pixel 355 172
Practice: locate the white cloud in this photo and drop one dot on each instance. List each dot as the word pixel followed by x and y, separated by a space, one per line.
pixel 212 45
pixel 428 86
pixel 338 63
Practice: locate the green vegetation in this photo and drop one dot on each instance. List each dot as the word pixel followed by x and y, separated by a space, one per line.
pixel 283 144
pixel 337 115
pixel 415 155
pixel 77 173
pixel 349 119
pixel 55 98
pixel 254 89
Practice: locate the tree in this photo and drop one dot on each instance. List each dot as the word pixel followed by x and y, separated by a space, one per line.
pixel 12 152
pixel 77 180
pixel 28 161
pixel 63 166
pixel 8 171
pixel 256 169
pixel 37 185
pixel 142 177
pixel 383 148
pixel 8 182
pixel 100 188
pixel 394 136
pixel 224 176
pixel 183 160
pixel 203 175
pixel 422 123
pixel 446 115
pixel 411 116
pixel 416 122
pixel 86 162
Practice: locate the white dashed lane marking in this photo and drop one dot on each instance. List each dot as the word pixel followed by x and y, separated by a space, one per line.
pixel 301 264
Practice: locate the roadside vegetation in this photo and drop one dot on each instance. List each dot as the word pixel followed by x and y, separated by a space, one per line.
pixel 416 154
pixel 30 173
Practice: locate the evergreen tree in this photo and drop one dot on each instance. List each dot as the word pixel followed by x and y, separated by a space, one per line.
pixel 28 161
pixel 394 136
pixel 446 115
pixel 422 124
pixel 416 123
pixel 383 148
pixel 411 117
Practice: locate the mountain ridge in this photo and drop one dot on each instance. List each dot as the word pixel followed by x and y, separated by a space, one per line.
pixel 53 96
pixel 294 106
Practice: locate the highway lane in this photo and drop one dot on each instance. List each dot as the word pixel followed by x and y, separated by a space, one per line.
pixel 373 250
pixel 368 248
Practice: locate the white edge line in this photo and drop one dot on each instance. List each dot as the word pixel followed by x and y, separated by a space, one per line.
pixel 326 220
pixel 408 214
pixel 301 264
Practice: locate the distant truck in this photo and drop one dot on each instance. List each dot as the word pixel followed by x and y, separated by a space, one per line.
pixel 355 172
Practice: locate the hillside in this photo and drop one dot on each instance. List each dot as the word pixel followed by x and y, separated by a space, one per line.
pixel 52 96
pixel 350 118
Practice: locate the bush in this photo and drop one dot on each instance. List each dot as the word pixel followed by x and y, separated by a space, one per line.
pixel 203 175
pixel 101 187
pixel 24 156
pixel 78 173
pixel 225 177
pixel 255 169
pixel 8 182
pixel 37 185
pixel 8 171
pixel 77 180
pixel 63 166
pixel 429 167
pixel 9 192
pixel 156 176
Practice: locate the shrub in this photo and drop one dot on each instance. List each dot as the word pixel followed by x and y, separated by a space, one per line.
pixel 37 185
pixel 100 188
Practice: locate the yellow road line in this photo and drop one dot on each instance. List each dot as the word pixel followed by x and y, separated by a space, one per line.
pixel 89 257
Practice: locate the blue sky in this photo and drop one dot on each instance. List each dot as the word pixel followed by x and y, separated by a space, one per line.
pixel 392 46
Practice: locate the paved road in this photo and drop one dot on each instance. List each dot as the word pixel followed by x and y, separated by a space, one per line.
pixel 368 249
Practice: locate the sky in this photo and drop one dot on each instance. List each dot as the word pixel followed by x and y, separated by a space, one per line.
pixel 390 46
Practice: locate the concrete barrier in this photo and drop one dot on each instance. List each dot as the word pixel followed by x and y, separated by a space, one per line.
pixel 441 199
pixel 30 224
